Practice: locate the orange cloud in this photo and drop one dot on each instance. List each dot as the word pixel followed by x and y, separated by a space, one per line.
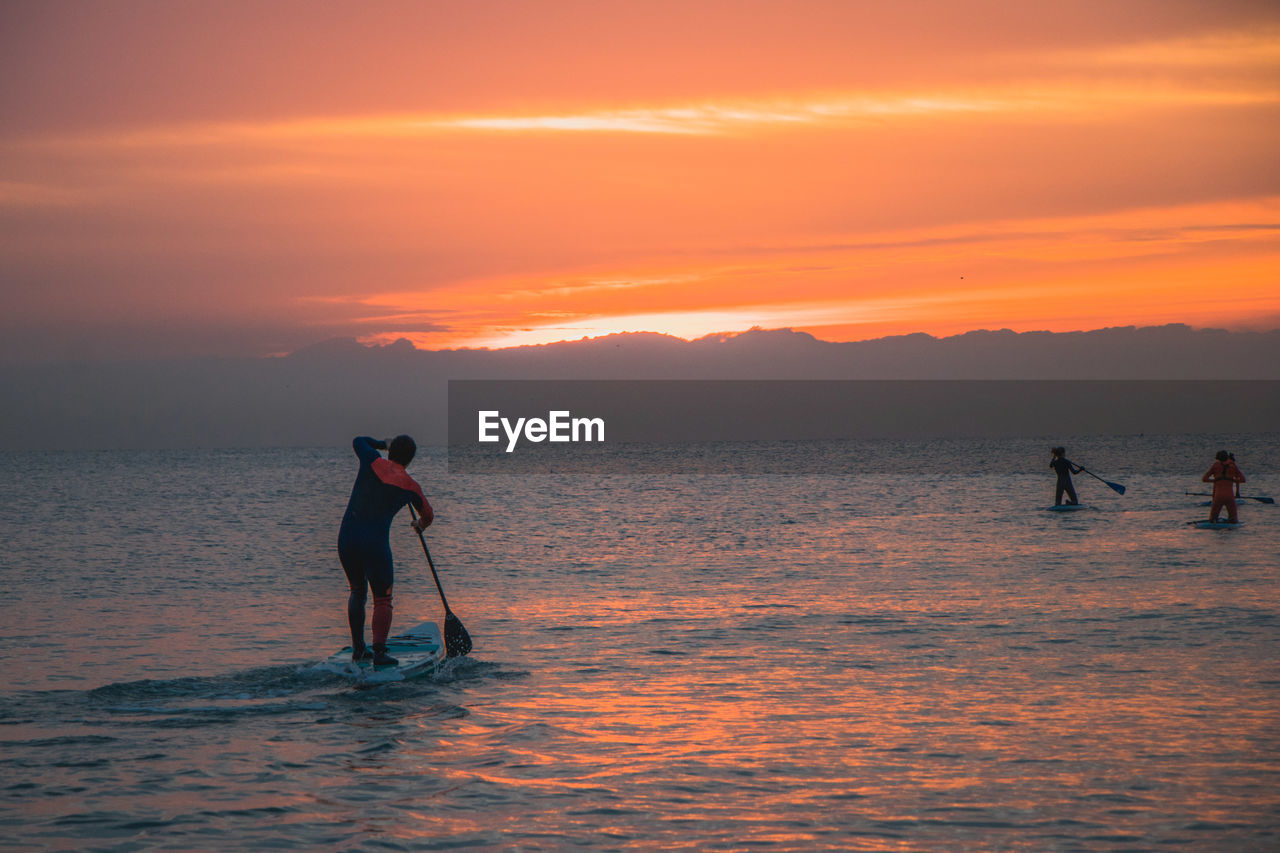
pixel 1070 182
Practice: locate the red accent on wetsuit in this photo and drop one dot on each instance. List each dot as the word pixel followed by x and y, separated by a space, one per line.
pixel 393 474
pixel 381 618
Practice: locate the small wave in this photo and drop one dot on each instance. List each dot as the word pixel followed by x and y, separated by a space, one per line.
pixel 66 740
pixel 202 700
pixel 261 682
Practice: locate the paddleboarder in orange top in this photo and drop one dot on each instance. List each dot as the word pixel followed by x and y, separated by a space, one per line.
pixel 1226 477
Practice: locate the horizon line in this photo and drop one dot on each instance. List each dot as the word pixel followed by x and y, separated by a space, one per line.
pixel 723 336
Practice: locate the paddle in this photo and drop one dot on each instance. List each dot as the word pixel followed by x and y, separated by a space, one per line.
pixel 456 639
pixel 1258 498
pixel 1119 488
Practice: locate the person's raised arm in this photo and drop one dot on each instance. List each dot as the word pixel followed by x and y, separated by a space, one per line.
pixel 367 448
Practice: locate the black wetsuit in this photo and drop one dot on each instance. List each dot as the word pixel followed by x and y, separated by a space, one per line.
pixel 381 489
pixel 1065 469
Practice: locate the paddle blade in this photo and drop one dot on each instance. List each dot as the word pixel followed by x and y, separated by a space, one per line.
pixel 1262 500
pixel 457 641
pixel 1119 488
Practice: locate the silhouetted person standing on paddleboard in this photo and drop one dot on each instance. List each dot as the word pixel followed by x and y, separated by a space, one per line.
pixel 364 544
pixel 1226 478
pixel 1064 468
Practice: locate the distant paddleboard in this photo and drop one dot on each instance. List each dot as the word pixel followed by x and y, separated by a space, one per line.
pixel 419 650
pixel 1064 507
pixel 1215 525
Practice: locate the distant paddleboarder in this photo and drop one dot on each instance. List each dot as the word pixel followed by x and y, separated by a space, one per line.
pixel 1226 478
pixel 1064 468
pixel 382 487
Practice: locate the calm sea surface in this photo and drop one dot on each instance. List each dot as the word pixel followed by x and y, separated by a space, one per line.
pixel 914 658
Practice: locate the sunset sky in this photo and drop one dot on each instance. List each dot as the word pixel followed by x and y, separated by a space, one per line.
pixel 200 178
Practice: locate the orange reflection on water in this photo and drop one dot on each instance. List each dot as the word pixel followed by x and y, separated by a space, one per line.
pixel 852 678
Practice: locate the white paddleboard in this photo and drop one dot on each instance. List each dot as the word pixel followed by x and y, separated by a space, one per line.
pixel 419 650
pixel 1215 525
pixel 1065 507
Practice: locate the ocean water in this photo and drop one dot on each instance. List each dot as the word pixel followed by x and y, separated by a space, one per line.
pixel 917 657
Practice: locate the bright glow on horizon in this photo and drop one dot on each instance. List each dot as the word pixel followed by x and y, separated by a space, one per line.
pixel 888 283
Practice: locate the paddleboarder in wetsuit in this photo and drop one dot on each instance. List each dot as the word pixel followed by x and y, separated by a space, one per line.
pixel 382 487
pixel 1064 468
pixel 1226 478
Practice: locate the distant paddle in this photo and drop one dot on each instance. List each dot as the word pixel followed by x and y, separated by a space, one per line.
pixel 1119 488
pixel 456 639
pixel 1259 498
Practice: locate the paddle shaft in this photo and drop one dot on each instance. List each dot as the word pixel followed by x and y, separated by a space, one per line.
pixel 430 562
pixel 1258 498
pixel 456 639
pixel 1119 488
